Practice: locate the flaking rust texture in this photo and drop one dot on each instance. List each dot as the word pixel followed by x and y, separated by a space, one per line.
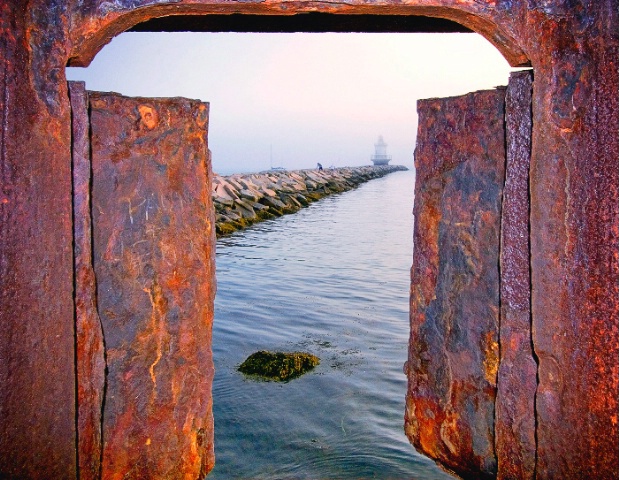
pixel 154 237
pixel 517 381
pixel 454 352
pixel 89 342
pixel 574 219
pixel 37 370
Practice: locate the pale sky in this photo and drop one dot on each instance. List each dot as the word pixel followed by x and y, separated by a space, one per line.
pixel 307 97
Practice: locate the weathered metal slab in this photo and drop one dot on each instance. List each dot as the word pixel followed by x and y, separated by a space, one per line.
pixel 89 342
pixel 454 351
pixel 154 244
pixel 517 381
pixel 37 381
pixel 575 246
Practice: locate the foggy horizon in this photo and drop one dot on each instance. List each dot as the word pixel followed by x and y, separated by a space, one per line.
pixel 293 100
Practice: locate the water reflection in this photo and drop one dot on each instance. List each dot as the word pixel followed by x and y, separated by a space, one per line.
pixel 332 280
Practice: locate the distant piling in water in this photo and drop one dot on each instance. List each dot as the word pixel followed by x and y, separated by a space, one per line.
pixel 241 200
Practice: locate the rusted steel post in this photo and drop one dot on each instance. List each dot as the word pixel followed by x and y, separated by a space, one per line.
pixel 89 342
pixel 453 354
pixel 154 244
pixel 37 377
pixel 517 382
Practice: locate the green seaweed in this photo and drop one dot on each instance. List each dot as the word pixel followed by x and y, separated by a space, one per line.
pixel 278 366
pixel 314 196
pixel 223 229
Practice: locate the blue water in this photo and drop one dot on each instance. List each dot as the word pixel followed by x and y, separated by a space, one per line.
pixel 332 280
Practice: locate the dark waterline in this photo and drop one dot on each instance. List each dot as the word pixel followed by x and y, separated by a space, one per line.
pixel 332 280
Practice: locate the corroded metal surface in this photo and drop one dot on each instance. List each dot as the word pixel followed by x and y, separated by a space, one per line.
pixel 96 22
pixel 574 183
pixel 89 342
pixel 37 381
pixel 153 243
pixel 517 382
pixel 454 352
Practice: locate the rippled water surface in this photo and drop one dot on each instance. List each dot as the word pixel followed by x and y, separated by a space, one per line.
pixel 332 280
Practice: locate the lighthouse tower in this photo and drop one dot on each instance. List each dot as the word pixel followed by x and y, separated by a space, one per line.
pixel 380 156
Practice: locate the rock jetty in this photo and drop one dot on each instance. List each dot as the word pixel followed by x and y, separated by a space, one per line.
pixel 244 199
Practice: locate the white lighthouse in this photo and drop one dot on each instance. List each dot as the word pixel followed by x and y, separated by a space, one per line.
pixel 380 156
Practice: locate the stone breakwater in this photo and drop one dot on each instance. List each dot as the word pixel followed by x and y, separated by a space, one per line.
pixel 241 200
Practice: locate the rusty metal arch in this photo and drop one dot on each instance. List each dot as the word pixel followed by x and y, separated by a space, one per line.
pixel 92 32
pixel 573 218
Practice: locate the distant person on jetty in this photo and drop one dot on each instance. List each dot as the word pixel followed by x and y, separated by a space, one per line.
pixel 319 166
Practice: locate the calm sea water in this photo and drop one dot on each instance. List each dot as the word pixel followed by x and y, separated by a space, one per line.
pixel 332 280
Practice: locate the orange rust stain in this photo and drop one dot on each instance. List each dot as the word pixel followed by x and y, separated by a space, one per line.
pixel 158 316
pixel 202 116
pixel 491 358
pixel 149 116
pixel 176 282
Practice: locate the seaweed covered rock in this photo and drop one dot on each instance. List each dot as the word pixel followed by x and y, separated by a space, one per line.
pixel 278 366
